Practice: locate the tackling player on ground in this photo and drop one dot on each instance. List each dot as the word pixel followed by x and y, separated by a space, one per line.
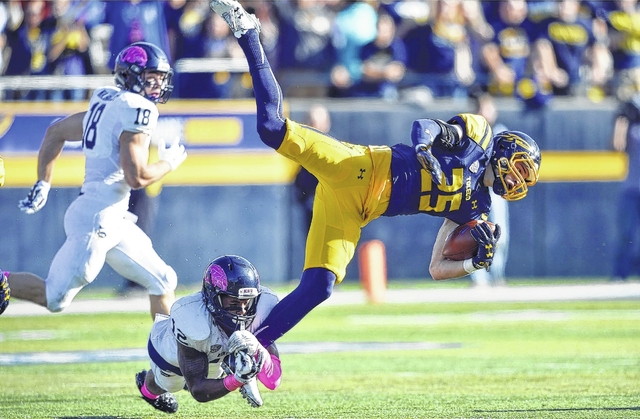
pixel 211 329
pixel 447 172
pixel 115 134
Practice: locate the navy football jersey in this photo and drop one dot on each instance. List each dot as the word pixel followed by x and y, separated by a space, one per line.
pixel 462 196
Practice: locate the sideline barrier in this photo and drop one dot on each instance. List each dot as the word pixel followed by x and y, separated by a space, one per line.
pixel 233 194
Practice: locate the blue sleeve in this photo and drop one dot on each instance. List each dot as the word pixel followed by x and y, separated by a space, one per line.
pixel 424 131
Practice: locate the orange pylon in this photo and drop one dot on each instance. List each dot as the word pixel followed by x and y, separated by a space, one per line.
pixel 372 262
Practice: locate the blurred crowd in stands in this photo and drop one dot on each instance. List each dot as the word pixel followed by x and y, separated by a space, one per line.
pixel 412 49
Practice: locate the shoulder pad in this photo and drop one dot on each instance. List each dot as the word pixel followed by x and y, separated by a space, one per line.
pixel 192 319
pixel 476 128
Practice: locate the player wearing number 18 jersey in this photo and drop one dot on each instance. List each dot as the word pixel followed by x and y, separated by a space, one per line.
pixel 115 134
pixel 446 172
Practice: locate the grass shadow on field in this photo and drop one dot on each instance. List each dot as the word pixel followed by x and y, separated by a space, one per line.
pixel 571 409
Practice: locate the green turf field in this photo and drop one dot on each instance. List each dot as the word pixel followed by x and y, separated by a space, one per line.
pixel 490 360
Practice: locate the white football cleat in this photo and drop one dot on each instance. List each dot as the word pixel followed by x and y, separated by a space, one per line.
pixel 236 17
pixel 251 393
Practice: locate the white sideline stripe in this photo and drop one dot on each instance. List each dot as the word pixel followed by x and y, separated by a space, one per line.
pixel 140 354
pixel 606 291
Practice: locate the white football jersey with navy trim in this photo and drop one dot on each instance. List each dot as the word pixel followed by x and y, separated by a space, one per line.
pixel 191 324
pixel 111 112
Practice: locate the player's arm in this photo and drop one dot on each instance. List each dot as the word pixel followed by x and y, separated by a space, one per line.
pixel 66 129
pixel 271 373
pixel 434 131
pixel 490 54
pixel 426 133
pixel 620 129
pixel 441 268
pixel 195 369
pixel 134 157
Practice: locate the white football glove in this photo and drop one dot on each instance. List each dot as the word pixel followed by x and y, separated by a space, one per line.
pixel 36 199
pixel 246 367
pixel 174 155
pixel 243 340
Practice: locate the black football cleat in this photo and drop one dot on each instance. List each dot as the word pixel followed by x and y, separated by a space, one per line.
pixel 5 292
pixel 166 402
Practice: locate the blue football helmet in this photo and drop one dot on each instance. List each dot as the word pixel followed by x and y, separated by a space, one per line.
pixel 510 148
pixel 134 60
pixel 233 276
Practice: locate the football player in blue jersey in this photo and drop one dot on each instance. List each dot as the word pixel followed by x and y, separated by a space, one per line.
pixel 446 172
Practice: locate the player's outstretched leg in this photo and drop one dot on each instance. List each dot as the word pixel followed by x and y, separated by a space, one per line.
pixel 267 91
pixel 5 291
pixel 165 402
pixel 316 286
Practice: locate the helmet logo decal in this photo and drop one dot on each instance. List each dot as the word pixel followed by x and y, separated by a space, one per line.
pixel 247 293
pixel 217 277
pixel 135 55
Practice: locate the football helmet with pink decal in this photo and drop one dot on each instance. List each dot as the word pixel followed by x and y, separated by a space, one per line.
pixel 232 276
pixel 137 58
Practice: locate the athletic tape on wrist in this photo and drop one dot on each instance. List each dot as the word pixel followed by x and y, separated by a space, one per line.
pixel 468 266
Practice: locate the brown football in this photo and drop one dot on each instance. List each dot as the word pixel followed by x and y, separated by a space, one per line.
pixel 460 244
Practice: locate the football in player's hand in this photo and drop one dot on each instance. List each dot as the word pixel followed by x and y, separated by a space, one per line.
pixel 460 244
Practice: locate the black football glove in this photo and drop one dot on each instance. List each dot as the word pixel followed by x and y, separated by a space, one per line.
pixel 434 131
pixel 425 133
pixel 448 135
pixel 487 241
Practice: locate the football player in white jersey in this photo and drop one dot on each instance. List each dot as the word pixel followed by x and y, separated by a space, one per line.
pixel 115 134
pixel 207 341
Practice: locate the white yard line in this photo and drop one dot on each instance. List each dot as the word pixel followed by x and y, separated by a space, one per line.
pixel 613 291
pixel 140 354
